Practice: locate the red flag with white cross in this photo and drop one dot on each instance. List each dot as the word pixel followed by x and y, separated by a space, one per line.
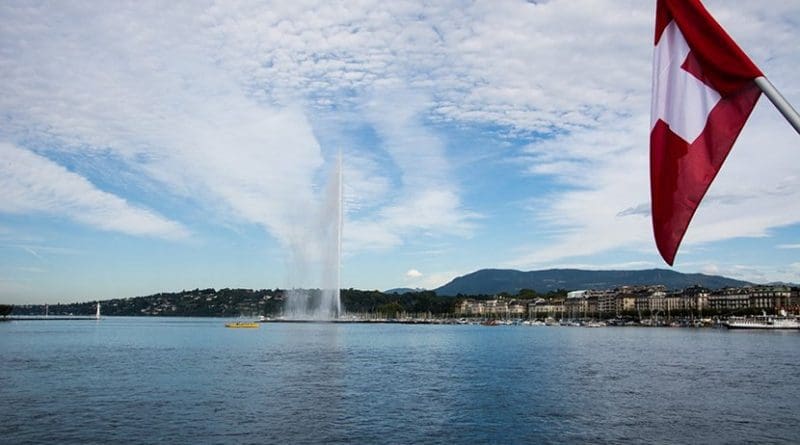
pixel 703 92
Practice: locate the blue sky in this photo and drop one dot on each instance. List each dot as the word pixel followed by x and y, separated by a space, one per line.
pixel 147 147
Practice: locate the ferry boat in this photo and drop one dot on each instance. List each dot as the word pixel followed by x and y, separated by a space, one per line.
pixel 243 324
pixel 781 321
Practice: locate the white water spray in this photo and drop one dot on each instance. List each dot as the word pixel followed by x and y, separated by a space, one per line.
pixel 319 252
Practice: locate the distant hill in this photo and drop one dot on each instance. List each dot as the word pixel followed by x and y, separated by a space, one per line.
pixel 493 281
pixel 404 290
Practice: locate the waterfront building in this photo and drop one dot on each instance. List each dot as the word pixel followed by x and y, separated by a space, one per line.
pixel 770 297
pixel 533 306
pixel 729 299
pixel 542 308
pixel 657 302
pixel 470 307
pixel 607 302
pixel 675 301
pixel 576 304
pixel 624 302
pixel 696 298
pixel 516 308
pixel 751 297
pixel 644 300
pixel 498 307
pixel 592 303
pixel 589 303
pixel 648 298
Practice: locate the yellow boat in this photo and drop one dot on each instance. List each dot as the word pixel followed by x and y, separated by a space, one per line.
pixel 242 324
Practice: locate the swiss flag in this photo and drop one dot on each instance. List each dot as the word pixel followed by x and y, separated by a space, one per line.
pixel 703 93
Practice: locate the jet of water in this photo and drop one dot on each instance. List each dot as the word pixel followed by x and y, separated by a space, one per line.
pixel 320 252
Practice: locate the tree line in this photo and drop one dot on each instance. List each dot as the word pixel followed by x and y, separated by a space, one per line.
pixel 269 302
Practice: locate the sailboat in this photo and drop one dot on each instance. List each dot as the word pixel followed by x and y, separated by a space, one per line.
pixel 97 315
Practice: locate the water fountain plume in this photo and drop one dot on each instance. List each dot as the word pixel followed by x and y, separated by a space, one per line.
pixel 319 253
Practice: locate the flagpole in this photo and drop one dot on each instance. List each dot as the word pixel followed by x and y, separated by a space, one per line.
pixel 780 102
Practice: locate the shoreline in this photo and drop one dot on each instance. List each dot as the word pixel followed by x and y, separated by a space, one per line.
pixel 611 323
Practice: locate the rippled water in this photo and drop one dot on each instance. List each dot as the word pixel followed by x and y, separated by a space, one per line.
pixel 159 380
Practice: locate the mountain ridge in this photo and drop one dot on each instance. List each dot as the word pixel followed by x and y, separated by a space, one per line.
pixel 404 290
pixel 494 281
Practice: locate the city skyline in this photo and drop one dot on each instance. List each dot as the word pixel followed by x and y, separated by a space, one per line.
pixel 148 148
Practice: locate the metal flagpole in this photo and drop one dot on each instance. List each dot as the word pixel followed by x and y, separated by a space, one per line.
pixel 780 102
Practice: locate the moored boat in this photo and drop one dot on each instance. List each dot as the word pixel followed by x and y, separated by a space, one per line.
pixel 595 324
pixel 242 324
pixel 782 321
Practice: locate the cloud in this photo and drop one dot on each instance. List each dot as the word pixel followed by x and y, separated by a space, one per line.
pixel 438 279
pixel 426 199
pixel 526 66
pixel 788 246
pixel 212 105
pixel 34 184
pixel 219 106
pixel 413 273
pixel 602 162
pixel 610 266
pixel 746 272
pixel 366 187
pixel 139 87
pixel 754 273
pixel 641 210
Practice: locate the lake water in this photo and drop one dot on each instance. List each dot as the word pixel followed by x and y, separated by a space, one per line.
pixel 179 380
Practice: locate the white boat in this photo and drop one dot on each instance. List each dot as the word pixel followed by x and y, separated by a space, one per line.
pixel 595 324
pixel 781 321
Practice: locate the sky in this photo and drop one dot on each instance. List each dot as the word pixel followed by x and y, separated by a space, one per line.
pixel 154 147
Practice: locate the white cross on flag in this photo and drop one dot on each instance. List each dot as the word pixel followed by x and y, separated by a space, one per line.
pixel 703 93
